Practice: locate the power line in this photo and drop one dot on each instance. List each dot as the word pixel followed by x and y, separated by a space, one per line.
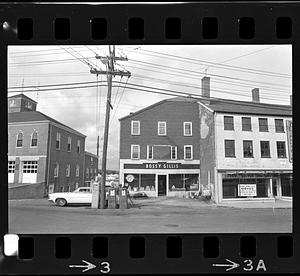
pixel 215 64
pixel 145 89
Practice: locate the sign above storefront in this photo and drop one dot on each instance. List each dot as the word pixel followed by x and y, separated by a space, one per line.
pixel 247 189
pixel 162 165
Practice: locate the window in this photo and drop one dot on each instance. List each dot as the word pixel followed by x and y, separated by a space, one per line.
pixel 78 146
pixel 149 152
pixel 135 127
pixel 229 148
pixel 12 103
pixel 228 123
pixel 77 170
pixel 187 129
pixel 87 172
pixel 57 140
pixel 69 143
pixel 92 160
pixel 68 171
pixel 246 123
pixel 281 153
pixel 56 170
pixel 162 128
pixel 28 105
pixel 263 124
pixel 95 171
pixel 265 148
pixel 135 152
pixel 34 139
pixel 30 166
pixel 11 166
pixel 173 152
pixel 248 148
pixel 188 152
pixel 20 140
pixel 279 125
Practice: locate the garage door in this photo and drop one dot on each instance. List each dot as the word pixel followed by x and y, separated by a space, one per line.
pixel 29 171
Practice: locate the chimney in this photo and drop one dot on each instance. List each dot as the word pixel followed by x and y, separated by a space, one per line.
pixel 205 87
pixel 255 95
pixel 291 100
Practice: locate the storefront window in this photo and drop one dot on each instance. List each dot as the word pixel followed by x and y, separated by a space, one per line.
pixel 183 182
pixel 286 185
pixel 245 187
pixel 191 182
pixel 132 180
pixel 147 182
pixel 176 182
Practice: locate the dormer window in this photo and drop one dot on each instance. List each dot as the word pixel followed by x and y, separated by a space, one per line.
pixel 28 105
pixel 12 103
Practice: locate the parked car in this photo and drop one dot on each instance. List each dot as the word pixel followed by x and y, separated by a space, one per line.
pixel 82 195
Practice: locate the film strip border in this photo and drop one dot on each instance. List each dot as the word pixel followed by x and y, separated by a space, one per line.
pixel 203 23
pixel 152 254
pixel 151 24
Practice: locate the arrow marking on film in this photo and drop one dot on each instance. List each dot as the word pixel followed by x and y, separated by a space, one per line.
pixel 230 266
pixel 87 267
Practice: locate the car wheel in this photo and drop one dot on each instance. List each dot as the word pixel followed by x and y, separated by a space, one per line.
pixel 61 202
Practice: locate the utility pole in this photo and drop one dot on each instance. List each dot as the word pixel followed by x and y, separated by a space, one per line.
pixel 110 73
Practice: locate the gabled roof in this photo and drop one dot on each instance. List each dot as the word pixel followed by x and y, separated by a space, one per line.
pixel 35 116
pixel 227 106
pixel 21 96
pixel 243 107
pixel 176 99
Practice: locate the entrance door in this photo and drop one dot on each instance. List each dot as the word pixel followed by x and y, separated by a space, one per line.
pixel 162 185
pixel 274 187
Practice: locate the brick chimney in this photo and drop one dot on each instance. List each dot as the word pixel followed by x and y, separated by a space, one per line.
pixel 255 95
pixel 205 87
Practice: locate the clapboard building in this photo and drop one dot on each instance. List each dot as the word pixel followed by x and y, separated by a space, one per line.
pixel 159 148
pixel 90 167
pixel 245 148
pixel 44 155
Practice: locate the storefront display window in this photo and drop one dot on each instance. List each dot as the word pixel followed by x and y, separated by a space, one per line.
pixel 176 182
pixel 132 180
pixel 286 185
pixel 147 182
pixel 183 182
pixel 191 182
pixel 245 187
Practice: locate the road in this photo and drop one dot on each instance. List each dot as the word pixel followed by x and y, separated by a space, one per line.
pixel 39 216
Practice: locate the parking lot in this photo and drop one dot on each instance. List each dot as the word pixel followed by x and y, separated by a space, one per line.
pixel 153 215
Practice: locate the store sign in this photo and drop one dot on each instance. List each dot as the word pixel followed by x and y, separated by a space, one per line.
pixel 162 165
pixel 129 178
pixel 247 189
pixel 289 132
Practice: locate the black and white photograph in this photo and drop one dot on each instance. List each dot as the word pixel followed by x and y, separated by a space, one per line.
pixel 150 139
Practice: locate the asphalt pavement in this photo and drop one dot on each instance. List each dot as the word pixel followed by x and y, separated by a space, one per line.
pixel 156 215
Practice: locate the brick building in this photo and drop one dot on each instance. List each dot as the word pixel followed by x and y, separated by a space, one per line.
pixel 240 150
pixel 42 152
pixel 90 167
pixel 159 148
pixel 245 148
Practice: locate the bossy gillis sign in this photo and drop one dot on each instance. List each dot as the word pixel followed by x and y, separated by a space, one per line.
pixel 161 165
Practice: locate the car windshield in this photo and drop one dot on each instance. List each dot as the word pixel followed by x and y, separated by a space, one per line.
pixel 82 190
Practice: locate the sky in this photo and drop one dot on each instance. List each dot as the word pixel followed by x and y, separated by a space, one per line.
pixel 234 70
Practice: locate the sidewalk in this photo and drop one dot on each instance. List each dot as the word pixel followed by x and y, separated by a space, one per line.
pixel 278 203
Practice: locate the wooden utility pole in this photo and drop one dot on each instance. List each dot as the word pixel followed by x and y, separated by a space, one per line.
pixel 110 73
